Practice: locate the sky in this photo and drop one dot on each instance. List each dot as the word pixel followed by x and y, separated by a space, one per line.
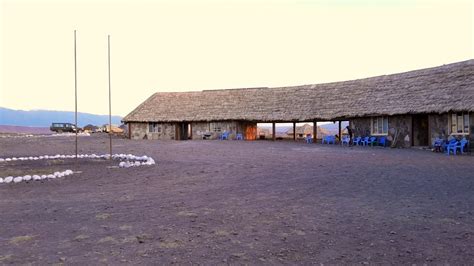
pixel 181 45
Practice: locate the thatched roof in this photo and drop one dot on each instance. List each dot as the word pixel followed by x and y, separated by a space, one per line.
pixel 432 90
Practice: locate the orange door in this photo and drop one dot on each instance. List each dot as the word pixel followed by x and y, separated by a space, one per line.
pixel 251 132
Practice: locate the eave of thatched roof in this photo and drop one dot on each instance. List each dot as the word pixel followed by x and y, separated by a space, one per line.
pixel 433 90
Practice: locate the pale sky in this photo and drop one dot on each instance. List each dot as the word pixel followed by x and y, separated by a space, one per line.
pixel 208 44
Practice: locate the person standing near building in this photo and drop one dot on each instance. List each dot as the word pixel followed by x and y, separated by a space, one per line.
pixel 349 131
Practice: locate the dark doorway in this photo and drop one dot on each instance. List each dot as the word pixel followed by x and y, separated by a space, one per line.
pixel 420 129
pixel 182 131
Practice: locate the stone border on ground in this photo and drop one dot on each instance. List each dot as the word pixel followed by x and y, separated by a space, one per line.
pixel 126 161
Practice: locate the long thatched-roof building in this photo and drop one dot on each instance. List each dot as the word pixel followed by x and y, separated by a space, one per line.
pixel 413 107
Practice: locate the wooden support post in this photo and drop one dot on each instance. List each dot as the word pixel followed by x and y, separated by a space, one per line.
pixel 340 133
pixel 273 131
pixel 294 131
pixel 190 125
pixel 315 131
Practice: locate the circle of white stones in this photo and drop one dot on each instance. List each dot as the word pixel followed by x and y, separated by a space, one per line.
pixel 126 161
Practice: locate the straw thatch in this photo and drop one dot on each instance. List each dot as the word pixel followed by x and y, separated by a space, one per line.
pixel 433 90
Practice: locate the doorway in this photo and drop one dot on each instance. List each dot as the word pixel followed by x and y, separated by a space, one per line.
pixel 182 131
pixel 420 130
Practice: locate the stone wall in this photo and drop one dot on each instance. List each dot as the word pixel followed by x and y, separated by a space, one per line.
pixel 216 129
pixel 140 131
pixel 439 127
pixel 167 131
pixel 399 129
pixel 361 126
pixel 471 132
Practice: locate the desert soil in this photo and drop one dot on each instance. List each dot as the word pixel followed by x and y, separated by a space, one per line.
pixel 237 202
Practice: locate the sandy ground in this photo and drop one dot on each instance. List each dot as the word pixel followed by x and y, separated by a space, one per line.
pixel 222 202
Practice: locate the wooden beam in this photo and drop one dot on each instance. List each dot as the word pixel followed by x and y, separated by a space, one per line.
pixel 191 131
pixel 273 131
pixel 315 131
pixel 176 131
pixel 294 131
pixel 340 133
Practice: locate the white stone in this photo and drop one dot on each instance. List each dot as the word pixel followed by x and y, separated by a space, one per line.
pixel 8 179
pixel 17 179
pixel 27 177
pixel 2 160
pixel 51 176
pixel 8 159
pixel 36 177
pixel 44 176
pixel 1 180
pixel 14 159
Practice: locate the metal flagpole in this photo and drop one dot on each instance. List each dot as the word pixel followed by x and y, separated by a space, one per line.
pixel 75 88
pixel 110 100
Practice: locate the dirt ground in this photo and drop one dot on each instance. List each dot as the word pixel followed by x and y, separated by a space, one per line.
pixel 223 202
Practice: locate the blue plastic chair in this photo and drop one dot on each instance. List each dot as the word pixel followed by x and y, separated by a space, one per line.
pixel 346 140
pixel 331 139
pixel 382 141
pixel 365 141
pixel 371 141
pixel 451 146
pixel 438 144
pixel 224 136
pixel 239 136
pixel 461 145
pixel 464 144
pixel 356 141
pixel 324 139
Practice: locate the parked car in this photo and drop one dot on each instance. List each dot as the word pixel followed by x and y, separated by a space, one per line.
pixel 63 127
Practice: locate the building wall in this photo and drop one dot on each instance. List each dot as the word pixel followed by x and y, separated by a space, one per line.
pixel 199 129
pixel 140 131
pixel 399 129
pixel 439 127
pixel 471 131
pixel 402 126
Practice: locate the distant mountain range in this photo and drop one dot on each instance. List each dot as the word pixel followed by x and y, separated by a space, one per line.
pixel 44 118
